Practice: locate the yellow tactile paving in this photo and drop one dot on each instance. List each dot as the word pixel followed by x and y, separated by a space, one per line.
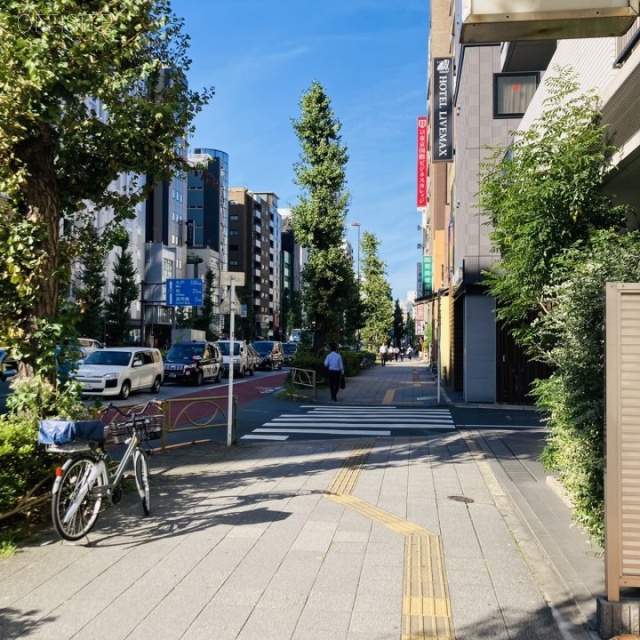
pixel 426 608
pixel 388 396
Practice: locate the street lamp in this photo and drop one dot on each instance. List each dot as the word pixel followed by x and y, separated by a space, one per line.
pixel 357 224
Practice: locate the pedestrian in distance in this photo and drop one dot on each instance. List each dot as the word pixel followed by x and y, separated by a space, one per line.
pixel 383 354
pixel 333 362
pixel 409 352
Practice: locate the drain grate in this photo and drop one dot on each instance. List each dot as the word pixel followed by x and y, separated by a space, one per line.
pixel 461 499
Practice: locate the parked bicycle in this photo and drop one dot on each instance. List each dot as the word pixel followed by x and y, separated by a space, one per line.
pixel 85 479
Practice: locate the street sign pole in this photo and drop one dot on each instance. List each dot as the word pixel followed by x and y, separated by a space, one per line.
pixel 231 278
pixel 232 317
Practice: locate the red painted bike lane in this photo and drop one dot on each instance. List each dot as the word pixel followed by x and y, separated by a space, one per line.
pixel 185 411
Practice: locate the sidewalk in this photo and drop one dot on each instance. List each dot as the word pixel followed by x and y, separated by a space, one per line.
pixel 455 535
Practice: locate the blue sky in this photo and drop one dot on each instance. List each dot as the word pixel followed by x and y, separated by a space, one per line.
pixel 371 58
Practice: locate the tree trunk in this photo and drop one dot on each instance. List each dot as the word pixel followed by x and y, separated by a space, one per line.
pixel 44 204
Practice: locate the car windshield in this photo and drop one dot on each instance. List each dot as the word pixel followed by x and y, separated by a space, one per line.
pixel 263 348
pixel 114 358
pixel 184 352
pixel 224 348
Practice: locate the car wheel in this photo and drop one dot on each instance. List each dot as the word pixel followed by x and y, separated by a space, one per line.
pixel 199 378
pixel 125 390
pixel 155 387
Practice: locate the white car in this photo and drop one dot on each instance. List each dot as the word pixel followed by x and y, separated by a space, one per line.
pixel 240 357
pixel 118 371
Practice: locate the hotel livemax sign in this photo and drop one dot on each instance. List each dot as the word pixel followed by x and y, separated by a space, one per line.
pixel 442 124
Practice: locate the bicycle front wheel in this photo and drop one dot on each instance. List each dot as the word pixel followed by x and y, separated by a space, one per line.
pixel 75 505
pixel 141 468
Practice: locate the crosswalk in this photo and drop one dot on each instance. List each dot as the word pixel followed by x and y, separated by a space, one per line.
pixel 353 421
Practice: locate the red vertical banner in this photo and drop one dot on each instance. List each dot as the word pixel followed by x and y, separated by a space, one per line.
pixel 422 162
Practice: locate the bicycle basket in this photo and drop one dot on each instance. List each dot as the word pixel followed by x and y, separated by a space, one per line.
pixel 149 428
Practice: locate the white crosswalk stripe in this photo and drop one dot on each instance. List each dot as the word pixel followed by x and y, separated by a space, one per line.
pixel 353 421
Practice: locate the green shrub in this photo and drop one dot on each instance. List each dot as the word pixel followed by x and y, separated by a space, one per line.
pixel 24 464
pixel 574 396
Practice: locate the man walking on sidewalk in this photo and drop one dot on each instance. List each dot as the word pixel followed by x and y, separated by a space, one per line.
pixel 333 362
pixel 383 354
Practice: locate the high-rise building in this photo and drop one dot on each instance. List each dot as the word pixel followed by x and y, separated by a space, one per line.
pixel 208 220
pixel 254 249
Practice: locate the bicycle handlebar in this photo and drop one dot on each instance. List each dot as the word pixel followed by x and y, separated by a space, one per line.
pixel 143 408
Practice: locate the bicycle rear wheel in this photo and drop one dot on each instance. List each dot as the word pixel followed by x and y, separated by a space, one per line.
pixel 141 468
pixel 73 516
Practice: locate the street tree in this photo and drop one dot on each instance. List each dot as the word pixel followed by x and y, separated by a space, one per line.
pixel 88 288
pixel 125 290
pixel 542 195
pixel 376 294
pixel 399 329
pixel 90 91
pixel 318 218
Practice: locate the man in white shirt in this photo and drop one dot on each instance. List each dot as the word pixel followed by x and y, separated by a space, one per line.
pixel 333 362
pixel 383 354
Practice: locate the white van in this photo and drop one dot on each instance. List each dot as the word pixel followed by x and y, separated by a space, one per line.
pixel 120 370
pixel 240 357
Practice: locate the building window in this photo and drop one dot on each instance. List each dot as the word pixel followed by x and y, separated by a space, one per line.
pixel 512 93
pixel 167 268
pixel 234 232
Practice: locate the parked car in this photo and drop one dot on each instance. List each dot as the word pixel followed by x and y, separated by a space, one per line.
pixel 192 362
pixel 270 352
pixel 89 344
pixel 8 365
pixel 295 335
pixel 289 350
pixel 118 371
pixel 253 358
pixel 240 357
pixel 68 358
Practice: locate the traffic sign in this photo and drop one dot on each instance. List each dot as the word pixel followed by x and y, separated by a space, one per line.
pixel 227 276
pixel 185 292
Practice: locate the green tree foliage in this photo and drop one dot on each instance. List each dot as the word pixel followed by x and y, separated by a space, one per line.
pixel 376 295
pixel 60 150
pixel 89 287
pixel 206 317
pixel 574 397
pixel 318 218
pixel 399 330
pixel 125 290
pixel 543 194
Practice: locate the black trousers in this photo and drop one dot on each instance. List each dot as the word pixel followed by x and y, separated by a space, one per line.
pixel 334 383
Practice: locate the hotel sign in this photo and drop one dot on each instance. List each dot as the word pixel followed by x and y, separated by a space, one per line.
pixel 442 123
pixel 422 162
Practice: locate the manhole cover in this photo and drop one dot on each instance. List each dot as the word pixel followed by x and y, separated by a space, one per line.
pixel 461 499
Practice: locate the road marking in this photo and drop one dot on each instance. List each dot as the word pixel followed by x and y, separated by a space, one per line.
pixel 264 437
pixel 426 607
pixel 388 396
pixel 335 432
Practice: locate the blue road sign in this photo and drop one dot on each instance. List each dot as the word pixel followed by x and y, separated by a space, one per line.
pixel 184 292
